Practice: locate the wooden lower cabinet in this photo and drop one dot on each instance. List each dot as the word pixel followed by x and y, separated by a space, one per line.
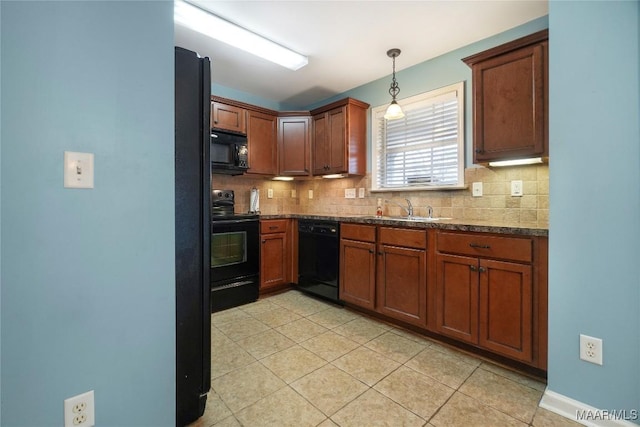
pixel 487 302
pixel 486 290
pixel 275 250
pixel 358 265
pixel 506 308
pixel 402 275
pixel 385 270
pixel 457 297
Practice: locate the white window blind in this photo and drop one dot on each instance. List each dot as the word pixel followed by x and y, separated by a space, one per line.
pixel 423 150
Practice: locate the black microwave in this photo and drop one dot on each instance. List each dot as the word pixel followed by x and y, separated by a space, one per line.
pixel 229 153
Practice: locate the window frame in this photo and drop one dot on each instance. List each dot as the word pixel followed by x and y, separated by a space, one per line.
pixel 406 103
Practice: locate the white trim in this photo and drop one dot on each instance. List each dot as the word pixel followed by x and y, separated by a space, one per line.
pixel 568 408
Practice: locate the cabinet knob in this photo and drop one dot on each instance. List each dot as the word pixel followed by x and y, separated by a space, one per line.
pixel 479 151
pixel 264 241
pixel 380 253
pixel 482 269
pixel 371 251
pixel 473 268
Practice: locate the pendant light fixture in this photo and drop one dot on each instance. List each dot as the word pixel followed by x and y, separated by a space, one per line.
pixel 393 110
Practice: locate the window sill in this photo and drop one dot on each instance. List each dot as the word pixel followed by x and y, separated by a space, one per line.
pixel 427 188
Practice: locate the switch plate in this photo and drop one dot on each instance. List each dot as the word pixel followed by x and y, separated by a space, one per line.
pixel 311 194
pixel 361 193
pixel 349 193
pixel 293 193
pixel 477 189
pixel 78 170
pixel 516 188
pixel 270 193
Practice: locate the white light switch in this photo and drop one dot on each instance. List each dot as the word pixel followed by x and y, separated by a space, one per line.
pixel 361 193
pixel 78 170
pixel 516 188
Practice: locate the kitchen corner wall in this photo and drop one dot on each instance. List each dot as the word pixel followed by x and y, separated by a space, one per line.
pixel 496 204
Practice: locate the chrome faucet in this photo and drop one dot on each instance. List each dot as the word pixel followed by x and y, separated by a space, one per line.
pixel 409 207
pixel 429 212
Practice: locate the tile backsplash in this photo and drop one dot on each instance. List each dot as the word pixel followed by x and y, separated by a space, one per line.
pixel 495 204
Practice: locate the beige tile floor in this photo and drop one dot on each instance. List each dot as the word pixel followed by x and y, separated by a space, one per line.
pixel 292 360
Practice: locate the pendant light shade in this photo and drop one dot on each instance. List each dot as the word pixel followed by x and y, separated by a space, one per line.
pixel 394 111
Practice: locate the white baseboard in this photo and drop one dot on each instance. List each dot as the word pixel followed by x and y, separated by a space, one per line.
pixel 570 408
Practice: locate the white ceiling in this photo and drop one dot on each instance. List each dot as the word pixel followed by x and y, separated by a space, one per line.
pixel 346 41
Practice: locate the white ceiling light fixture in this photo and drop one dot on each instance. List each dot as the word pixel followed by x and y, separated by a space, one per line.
pixel 217 28
pixel 393 110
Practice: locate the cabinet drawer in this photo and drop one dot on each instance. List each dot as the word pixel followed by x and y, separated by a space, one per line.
pixel 363 233
pixel 273 226
pixel 508 248
pixel 403 237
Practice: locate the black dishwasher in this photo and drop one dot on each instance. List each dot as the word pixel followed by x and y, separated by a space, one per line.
pixel 318 258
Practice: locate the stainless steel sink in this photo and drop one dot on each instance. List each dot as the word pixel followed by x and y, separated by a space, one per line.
pixel 409 219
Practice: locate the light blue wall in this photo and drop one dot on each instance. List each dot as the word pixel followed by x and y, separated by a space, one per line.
pixel 88 275
pixel 594 280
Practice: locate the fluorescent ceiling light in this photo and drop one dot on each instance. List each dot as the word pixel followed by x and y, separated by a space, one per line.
pixel 217 28
pixel 517 162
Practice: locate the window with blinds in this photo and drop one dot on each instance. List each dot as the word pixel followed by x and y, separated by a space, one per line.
pixel 425 149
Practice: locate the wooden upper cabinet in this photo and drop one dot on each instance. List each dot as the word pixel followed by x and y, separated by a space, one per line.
pixel 510 100
pixel 339 138
pixel 294 145
pixel 262 142
pixel 228 117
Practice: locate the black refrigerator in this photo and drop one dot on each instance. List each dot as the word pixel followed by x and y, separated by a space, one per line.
pixel 193 222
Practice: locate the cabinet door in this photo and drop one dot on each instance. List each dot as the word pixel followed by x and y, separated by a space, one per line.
pixel 294 145
pixel 402 284
pixel 358 273
pixel 261 137
pixel 457 297
pixel 337 140
pixel 510 105
pixel 320 141
pixel 228 117
pixel 273 260
pixel 506 308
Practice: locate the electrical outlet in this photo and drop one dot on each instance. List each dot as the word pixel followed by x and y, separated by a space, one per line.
pixel 270 193
pixel 516 188
pixel 349 193
pixel 591 349
pixel 79 411
pixel 477 189
pixel 311 194
pixel 361 193
pixel 293 193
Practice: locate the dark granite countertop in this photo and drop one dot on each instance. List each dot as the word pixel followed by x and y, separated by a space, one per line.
pixel 500 227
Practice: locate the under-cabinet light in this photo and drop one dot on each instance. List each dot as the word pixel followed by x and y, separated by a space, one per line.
pixel 282 178
pixel 217 28
pixel 335 175
pixel 517 162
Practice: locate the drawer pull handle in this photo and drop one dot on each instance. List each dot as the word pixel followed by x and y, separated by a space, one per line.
pixel 473 268
pixel 479 246
pixel 273 227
